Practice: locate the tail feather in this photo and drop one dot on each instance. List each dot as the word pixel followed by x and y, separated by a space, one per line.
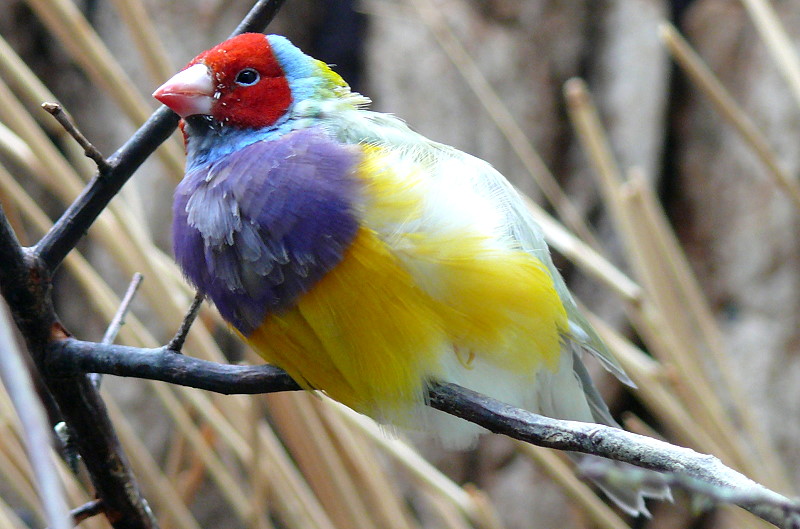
pixel 627 497
pixel 567 393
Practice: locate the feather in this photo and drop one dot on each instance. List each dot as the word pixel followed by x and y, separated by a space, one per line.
pixel 267 222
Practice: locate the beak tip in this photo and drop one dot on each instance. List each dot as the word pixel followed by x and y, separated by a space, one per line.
pixel 188 92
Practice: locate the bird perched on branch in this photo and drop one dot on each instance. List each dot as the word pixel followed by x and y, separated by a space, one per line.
pixel 363 258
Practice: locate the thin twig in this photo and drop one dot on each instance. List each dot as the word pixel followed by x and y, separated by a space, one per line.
pixel 81 214
pixel 176 344
pixel 87 510
pixel 125 305
pixel 118 320
pixel 66 121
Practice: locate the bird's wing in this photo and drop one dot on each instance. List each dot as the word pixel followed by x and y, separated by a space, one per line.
pixel 524 229
pixel 393 134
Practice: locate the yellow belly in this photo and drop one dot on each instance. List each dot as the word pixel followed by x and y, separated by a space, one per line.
pixel 371 335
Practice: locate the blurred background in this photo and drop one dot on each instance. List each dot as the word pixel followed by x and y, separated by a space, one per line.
pixel 669 167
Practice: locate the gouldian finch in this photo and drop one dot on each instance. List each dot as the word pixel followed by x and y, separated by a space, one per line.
pixel 363 258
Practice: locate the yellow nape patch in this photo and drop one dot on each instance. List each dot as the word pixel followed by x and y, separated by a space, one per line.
pixel 365 334
pixel 329 75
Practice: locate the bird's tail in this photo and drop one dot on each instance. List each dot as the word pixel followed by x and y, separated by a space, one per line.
pixel 629 498
pixel 569 394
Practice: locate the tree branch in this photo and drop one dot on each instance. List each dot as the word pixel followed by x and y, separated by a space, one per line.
pixel 25 284
pixel 81 214
pixel 617 444
pixel 66 357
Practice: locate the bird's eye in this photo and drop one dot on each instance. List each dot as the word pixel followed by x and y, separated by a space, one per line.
pixel 247 77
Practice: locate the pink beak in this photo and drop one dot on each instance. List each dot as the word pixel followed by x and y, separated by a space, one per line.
pixel 189 92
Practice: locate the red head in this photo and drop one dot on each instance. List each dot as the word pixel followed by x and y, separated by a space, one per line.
pixel 238 82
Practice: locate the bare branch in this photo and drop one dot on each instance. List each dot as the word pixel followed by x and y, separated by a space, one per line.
pixel 259 17
pixel 80 215
pixel 66 121
pixel 704 494
pixel 67 356
pixel 25 284
pixel 176 344
pixel 619 445
pixel 87 510
pixel 119 318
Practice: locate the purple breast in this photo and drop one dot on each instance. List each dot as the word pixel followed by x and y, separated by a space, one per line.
pixel 257 228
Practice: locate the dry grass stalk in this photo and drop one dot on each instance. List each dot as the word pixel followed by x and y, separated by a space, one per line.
pixel 33 93
pixel 258 482
pixel 780 45
pixel 685 334
pixel 134 16
pixel 437 23
pixel 559 468
pixel 302 429
pixel 711 87
pixel 166 498
pixel 585 257
pixel 685 309
pixel 67 23
pixel 445 514
pixel 420 470
pixel 360 454
pixel 9 518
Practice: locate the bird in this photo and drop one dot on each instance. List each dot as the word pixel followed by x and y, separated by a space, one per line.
pixel 365 259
